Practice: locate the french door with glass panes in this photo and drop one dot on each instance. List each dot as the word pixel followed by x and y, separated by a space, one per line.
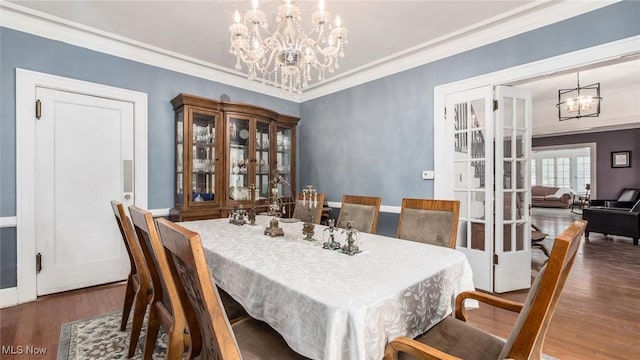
pixel 492 145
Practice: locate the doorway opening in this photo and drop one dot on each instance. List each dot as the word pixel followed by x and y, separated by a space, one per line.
pixel 571 166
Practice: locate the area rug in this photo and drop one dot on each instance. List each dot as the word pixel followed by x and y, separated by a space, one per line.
pixel 100 338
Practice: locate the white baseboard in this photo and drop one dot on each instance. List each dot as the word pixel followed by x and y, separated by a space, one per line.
pixel 8 297
pixel 8 221
pixel 160 212
pixel 383 208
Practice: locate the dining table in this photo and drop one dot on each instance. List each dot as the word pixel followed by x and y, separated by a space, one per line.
pixel 327 304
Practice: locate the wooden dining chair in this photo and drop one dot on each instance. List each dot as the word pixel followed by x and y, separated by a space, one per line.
pixel 362 211
pixel 138 292
pixel 429 221
pixel 248 338
pixel 166 307
pixel 301 211
pixel 454 338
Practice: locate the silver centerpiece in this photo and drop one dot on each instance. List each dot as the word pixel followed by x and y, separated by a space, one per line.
pixel 310 203
pixel 252 211
pixel 276 206
pixel 274 230
pixel 237 216
pixel 352 236
pixel 332 244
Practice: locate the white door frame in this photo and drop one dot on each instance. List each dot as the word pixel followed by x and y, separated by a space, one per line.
pixel 26 83
pixel 442 187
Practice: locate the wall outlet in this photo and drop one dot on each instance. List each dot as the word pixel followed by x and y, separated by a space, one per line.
pixel 427 174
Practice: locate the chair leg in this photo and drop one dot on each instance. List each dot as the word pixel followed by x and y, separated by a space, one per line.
pixel 128 301
pixel 139 311
pixel 176 344
pixel 635 241
pixel 152 333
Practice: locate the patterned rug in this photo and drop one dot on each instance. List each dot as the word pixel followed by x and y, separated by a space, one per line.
pixel 100 338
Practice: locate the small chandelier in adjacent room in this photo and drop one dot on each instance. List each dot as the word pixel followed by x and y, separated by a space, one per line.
pixel 579 102
pixel 285 56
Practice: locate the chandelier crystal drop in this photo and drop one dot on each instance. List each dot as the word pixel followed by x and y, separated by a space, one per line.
pixel 286 56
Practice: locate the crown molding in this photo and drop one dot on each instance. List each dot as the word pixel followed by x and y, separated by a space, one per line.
pixel 612 124
pixel 523 19
pixel 519 21
pixel 55 28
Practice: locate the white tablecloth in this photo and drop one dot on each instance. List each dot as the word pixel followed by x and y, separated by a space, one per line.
pixel 328 305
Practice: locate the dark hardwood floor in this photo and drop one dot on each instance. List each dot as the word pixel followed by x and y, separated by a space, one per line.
pixel 598 316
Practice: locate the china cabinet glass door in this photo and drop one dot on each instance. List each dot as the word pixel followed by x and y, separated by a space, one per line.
pixel 239 159
pixel 262 164
pixel 203 160
pixel 284 158
pixel 179 197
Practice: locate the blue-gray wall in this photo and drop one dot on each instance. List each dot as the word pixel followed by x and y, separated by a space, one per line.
pixel 8 254
pixel 20 50
pixel 371 139
pixel 609 181
pixel 376 138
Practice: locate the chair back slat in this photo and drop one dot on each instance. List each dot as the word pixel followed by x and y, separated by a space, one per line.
pixel 195 284
pixel 166 300
pixel 136 257
pixel 363 211
pixel 429 221
pixel 527 337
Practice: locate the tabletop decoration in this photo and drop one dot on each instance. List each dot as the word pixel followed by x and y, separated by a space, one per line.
pixel 332 244
pixel 274 230
pixel 237 216
pixel 310 203
pixel 276 206
pixel 252 211
pixel 352 236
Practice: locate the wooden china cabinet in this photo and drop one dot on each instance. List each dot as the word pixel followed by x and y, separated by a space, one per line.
pixel 223 148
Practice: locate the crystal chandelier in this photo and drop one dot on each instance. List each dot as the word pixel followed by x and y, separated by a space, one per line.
pixel 285 57
pixel 578 102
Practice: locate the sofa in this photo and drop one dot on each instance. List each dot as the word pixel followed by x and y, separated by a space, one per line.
pixel 550 196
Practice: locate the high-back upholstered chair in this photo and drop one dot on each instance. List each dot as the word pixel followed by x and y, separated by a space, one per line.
pixel 247 338
pixel 429 221
pixel 363 211
pixel 302 211
pixel 138 292
pixel 166 308
pixel 453 338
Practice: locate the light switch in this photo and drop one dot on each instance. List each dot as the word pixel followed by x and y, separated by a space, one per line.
pixel 427 174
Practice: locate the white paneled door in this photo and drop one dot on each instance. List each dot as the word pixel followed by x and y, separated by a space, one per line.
pixel 83 160
pixel 513 189
pixel 470 120
pixel 491 133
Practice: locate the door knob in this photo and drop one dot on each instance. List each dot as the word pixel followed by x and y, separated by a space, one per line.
pixel 128 196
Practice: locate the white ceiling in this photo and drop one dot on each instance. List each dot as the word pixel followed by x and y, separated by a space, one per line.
pixel 377 30
pixel 380 33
